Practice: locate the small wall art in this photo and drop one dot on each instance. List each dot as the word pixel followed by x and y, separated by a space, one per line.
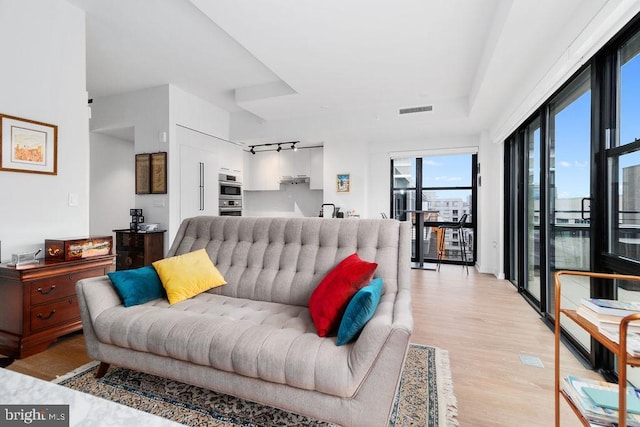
pixel 28 146
pixel 151 173
pixel 343 183
pixel 143 173
pixel 159 173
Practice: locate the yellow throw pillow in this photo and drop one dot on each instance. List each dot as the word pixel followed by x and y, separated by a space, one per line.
pixel 188 275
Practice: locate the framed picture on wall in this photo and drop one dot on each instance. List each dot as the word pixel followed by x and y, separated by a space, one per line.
pixel 143 173
pixel 28 146
pixel 343 183
pixel 159 173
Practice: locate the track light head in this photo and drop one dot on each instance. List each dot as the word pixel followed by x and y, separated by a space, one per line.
pixel 251 150
pixel 293 146
pixel 279 148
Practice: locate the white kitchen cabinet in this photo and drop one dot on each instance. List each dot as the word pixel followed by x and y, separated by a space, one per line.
pixel 230 158
pixel 301 162
pixel 315 168
pixel 261 171
pixel 198 182
pixel 294 163
pixel 286 163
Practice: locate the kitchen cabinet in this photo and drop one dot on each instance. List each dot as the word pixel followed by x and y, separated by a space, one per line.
pixel 316 176
pixel 229 158
pixel 262 171
pixel 198 182
pixel 294 163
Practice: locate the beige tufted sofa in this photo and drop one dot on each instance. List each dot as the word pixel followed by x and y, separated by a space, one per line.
pixel 254 338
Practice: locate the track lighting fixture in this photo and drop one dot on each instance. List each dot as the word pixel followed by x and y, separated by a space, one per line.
pixel 267 146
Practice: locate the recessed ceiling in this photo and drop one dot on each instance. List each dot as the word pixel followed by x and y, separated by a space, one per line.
pixel 288 59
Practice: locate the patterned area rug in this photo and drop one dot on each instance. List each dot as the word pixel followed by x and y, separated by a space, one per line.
pixel 424 398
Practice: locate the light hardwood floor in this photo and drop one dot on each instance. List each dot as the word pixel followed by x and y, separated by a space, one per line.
pixel 483 323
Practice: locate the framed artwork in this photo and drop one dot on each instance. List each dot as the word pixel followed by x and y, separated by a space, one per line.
pixel 159 173
pixel 28 146
pixel 143 172
pixel 343 183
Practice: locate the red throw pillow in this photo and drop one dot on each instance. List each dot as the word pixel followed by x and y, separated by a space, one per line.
pixel 329 300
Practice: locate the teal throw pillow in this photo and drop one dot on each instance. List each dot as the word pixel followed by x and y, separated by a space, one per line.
pixel 137 286
pixel 359 311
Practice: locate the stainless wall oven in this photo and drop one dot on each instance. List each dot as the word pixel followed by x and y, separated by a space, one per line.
pixel 230 198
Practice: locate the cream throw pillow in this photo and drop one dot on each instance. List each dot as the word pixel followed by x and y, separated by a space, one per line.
pixel 185 276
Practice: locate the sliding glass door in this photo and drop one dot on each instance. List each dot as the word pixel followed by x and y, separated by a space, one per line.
pixel 532 208
pixel 569 190
pixel 548 190
pixel 572 188
pixel 432 191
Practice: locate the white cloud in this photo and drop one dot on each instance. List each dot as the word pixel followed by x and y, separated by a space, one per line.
pixel 448 178
pixel 431 163
pixel 575 164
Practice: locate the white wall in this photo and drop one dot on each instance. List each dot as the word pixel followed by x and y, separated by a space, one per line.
pixel 189 111
pixel 491 205
pixel 346 155
pixel 112 184
pixel 43 79
pixel 151 112
pixel 147 111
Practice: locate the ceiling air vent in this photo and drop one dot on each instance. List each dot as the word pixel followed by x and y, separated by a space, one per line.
pixel 412 110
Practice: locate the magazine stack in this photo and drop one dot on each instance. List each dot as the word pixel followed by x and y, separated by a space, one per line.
pixel 598 401
pixel 606 316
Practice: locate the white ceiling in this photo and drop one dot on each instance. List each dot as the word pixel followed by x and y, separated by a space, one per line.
pixel 284 59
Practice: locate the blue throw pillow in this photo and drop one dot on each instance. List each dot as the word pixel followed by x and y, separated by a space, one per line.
pixel 359 311
pixel 137 286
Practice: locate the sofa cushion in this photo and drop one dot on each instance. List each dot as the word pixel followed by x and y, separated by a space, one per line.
pixel 137 286
pixel 329 300
pixel 271 341
pixel 359 311
pixel 184 276
pixel 284 259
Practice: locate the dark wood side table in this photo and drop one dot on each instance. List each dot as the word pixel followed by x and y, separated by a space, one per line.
pixel 137 249
pixel 39 302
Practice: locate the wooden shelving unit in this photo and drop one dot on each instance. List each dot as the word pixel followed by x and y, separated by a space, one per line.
pixel 624 359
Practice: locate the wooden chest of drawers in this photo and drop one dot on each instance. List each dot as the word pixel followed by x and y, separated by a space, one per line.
pixel 134 250
pixel 39 302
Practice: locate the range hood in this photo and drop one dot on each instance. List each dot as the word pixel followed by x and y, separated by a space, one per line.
pixel 300 179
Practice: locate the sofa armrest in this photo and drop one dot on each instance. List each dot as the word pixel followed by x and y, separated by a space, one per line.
pixel 402 311
pixel 96 294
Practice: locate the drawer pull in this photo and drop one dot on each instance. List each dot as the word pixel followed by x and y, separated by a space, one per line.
pixel 40 316
pixel 43 292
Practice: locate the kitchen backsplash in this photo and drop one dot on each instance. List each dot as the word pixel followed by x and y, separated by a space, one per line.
pixel 290 200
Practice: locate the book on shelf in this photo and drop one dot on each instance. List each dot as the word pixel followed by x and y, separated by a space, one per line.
pixel 610 399
pixel 633 339
pixel 611 307
pixel 575 389
pixel 605 320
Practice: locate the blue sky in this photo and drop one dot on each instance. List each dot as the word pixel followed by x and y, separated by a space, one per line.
pixel 573 133
pixel 573 147
pixel 446 171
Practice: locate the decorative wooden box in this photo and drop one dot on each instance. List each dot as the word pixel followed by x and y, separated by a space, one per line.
pixel 77 248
